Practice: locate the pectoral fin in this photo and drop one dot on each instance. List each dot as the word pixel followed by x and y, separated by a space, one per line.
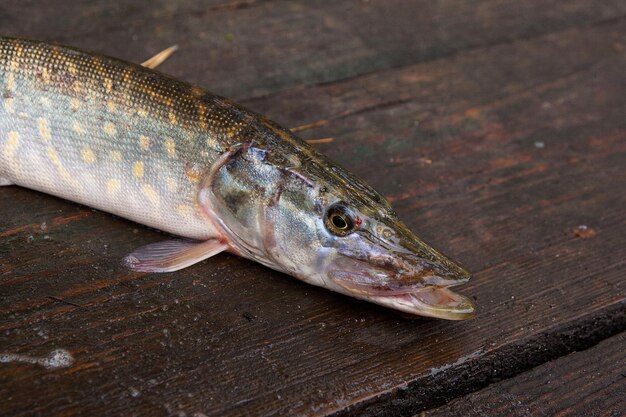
pixel 4 181
pixel 172 255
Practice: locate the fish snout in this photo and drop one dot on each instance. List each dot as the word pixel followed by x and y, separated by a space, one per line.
pixel 414 270
pixel 406 280
pixel 421 284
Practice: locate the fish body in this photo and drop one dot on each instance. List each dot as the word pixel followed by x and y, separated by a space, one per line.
pixel 111 135
pixel 131 141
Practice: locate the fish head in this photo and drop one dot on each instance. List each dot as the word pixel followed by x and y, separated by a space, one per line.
pixel 364 250
pixel 327 227
pixel 369 253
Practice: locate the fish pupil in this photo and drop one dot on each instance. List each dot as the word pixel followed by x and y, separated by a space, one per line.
pixel 339 222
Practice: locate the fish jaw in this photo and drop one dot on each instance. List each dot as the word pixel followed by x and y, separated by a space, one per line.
pixel 400 272
pixel 428 301
pixel 433 302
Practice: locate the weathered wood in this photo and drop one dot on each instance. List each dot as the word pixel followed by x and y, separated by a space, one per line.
pixel 254 47
pixel 498 153
pixel 589 383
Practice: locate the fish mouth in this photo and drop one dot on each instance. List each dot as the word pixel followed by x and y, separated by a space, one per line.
pixel 429 296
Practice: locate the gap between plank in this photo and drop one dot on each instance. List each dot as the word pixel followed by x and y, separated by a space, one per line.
pixel 520 356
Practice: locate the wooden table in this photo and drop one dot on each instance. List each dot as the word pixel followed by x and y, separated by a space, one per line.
pixel 497 129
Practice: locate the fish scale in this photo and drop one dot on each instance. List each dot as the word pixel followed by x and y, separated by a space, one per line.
pixel 109 134
pixel 131 141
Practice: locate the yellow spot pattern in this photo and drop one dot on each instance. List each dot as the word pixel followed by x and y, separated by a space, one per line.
pixel 78 128
pixel 202 116
pixel 44 130
pixel 89 156
pixel 183 209
pixel 74 104
pixel 113 186
pixel 128 72
pixel 109 129
pixel 71 67
pixel 172 185
pixel 144 142
pixel 173 119
pixel 170 146
pixel 138 169
pixel 45 75
pixel 193 172
pixel 151 194
pixel 11 81
pixel 10 147
pixel 77 86
pixel 8 105
pixel 116 155
pixel 54 156
pixel 232 132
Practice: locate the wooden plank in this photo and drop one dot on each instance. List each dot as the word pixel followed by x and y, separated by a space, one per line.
pixel 249 48
pixel 496 154
pixel 588 383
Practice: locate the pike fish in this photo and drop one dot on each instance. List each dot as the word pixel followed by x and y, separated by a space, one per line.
pixel 131 141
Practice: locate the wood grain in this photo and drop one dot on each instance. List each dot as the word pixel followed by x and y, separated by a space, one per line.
pixel 589 383
pixel 249 48
pixel 497 133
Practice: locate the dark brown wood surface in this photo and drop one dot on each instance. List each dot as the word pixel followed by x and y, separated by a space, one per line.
pixel 496 128
pixel 589 383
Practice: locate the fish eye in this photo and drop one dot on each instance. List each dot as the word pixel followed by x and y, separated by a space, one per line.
pixel 338 220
